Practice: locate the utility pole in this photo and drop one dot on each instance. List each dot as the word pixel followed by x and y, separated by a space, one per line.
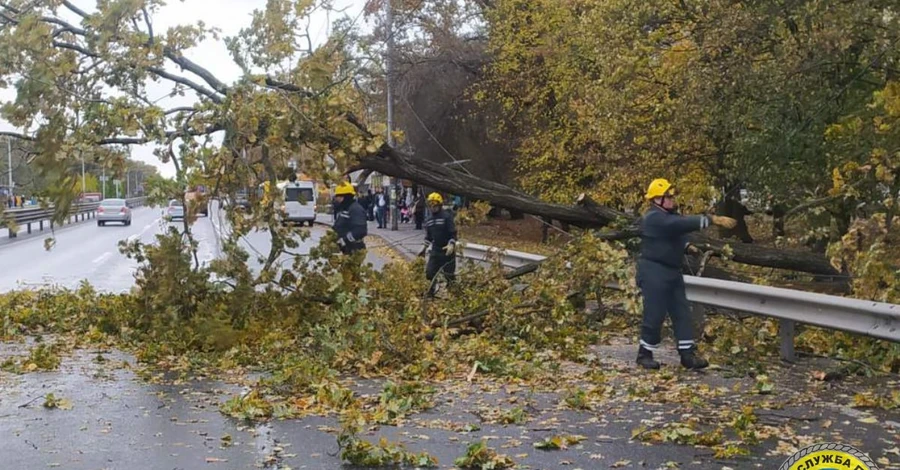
pixel 127 184
pixel 103 178
pixel 82 174
pixel 388 62
pixel 9 161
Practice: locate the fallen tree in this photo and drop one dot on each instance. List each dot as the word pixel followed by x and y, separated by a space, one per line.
pixel 585 214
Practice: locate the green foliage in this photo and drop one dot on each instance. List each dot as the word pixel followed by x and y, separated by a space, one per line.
pixel 384 453
pixel 250 407
pixel 558 442
pixel 42 357
pixel 398 400
pixel 481 457
pixel 52 402
pixel 576 399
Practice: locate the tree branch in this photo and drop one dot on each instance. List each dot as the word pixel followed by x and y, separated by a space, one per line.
pixel 196 69
pixel 131 140
pixel 74 9
pixel 200 89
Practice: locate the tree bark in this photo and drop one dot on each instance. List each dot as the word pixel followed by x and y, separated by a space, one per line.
pixel 731 207
pixel 391 162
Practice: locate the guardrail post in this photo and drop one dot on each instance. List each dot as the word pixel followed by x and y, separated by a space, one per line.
pixel 29 228
pixel 786 335
pixel 41 225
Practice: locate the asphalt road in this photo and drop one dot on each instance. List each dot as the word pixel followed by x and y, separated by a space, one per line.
pixel 84 251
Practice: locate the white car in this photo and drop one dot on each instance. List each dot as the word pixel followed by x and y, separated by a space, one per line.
pixel 175 210
pixel 113 210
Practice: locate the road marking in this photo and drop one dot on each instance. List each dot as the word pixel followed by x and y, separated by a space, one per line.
pixel 151 225
pixel 102 258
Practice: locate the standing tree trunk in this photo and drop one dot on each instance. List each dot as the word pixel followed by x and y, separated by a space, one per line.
pixel 778 215
pixel 732 207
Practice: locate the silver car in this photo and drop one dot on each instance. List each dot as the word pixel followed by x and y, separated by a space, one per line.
pixel 113 210
pixel 175 210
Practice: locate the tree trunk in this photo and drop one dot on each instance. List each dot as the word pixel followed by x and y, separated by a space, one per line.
pixel 732 207
pixel 432 174
pixel 778 215
pixel 586 214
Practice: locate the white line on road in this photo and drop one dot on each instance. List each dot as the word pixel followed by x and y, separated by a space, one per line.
pixel 102 258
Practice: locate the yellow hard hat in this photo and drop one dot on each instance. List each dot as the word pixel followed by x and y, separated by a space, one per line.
pixel 658 188
pixel 345 189
pixel 434 198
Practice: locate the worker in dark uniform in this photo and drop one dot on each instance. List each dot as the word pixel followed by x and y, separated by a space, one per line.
pixel 663 241
pixel 350 222
pixel 440 239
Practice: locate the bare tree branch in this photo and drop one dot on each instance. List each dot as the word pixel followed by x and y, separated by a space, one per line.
pixel 200 89
pixel 132 140
pixel 180 109
pixel 74 9
pixel 196 69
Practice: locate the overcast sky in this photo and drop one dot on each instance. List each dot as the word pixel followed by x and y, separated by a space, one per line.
pixel 227 15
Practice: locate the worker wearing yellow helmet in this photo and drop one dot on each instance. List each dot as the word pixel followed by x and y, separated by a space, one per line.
pixel 663 241
pixel 350 222
pixel 440 240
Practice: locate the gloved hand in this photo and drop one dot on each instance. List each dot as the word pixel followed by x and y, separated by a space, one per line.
pixel 450 248
pixel 425 249
pixel 341 242
pixel 721 221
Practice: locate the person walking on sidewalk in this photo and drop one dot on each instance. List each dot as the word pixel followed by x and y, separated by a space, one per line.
pixel 382 204
pixel 663 241
pixel 350 224
pixel 440 240
pixel 419 210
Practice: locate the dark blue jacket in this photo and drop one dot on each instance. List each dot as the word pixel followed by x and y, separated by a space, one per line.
pixel 440 230
pixel 664 235
pixel 351 225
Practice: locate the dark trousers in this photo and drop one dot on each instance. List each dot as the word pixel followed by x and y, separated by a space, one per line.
pixel 379 216
pixel 442 263
pixel 662 288
pixel 420 218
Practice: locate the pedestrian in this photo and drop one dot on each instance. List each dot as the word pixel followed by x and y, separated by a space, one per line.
pixel 419 210
pixel 440 240
pixel 381 207
pixel 369 205
pixel 350 224
pixel 663 241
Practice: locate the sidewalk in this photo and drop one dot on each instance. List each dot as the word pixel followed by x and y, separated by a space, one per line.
pixel 406 240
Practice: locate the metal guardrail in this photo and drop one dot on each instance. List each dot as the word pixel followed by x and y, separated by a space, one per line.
pixel 80 211
pixel 876 319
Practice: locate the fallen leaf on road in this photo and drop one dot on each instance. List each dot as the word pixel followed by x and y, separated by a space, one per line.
pixel 620 464
pixel 215 460
pixel 884 461
pixel 869 420
pixel 895 451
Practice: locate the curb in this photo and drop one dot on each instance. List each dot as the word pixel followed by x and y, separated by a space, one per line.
pixel 402 253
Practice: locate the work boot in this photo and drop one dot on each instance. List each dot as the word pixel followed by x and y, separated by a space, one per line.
pixel 690 359
pixel 645 359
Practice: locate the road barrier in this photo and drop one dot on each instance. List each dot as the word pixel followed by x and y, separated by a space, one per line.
pixel 876 319
pixel 39 215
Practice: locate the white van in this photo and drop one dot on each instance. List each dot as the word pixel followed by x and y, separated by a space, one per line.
pixel 299 201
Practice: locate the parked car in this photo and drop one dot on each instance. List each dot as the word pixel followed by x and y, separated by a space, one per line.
pixel 113 210
pixel 175 210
